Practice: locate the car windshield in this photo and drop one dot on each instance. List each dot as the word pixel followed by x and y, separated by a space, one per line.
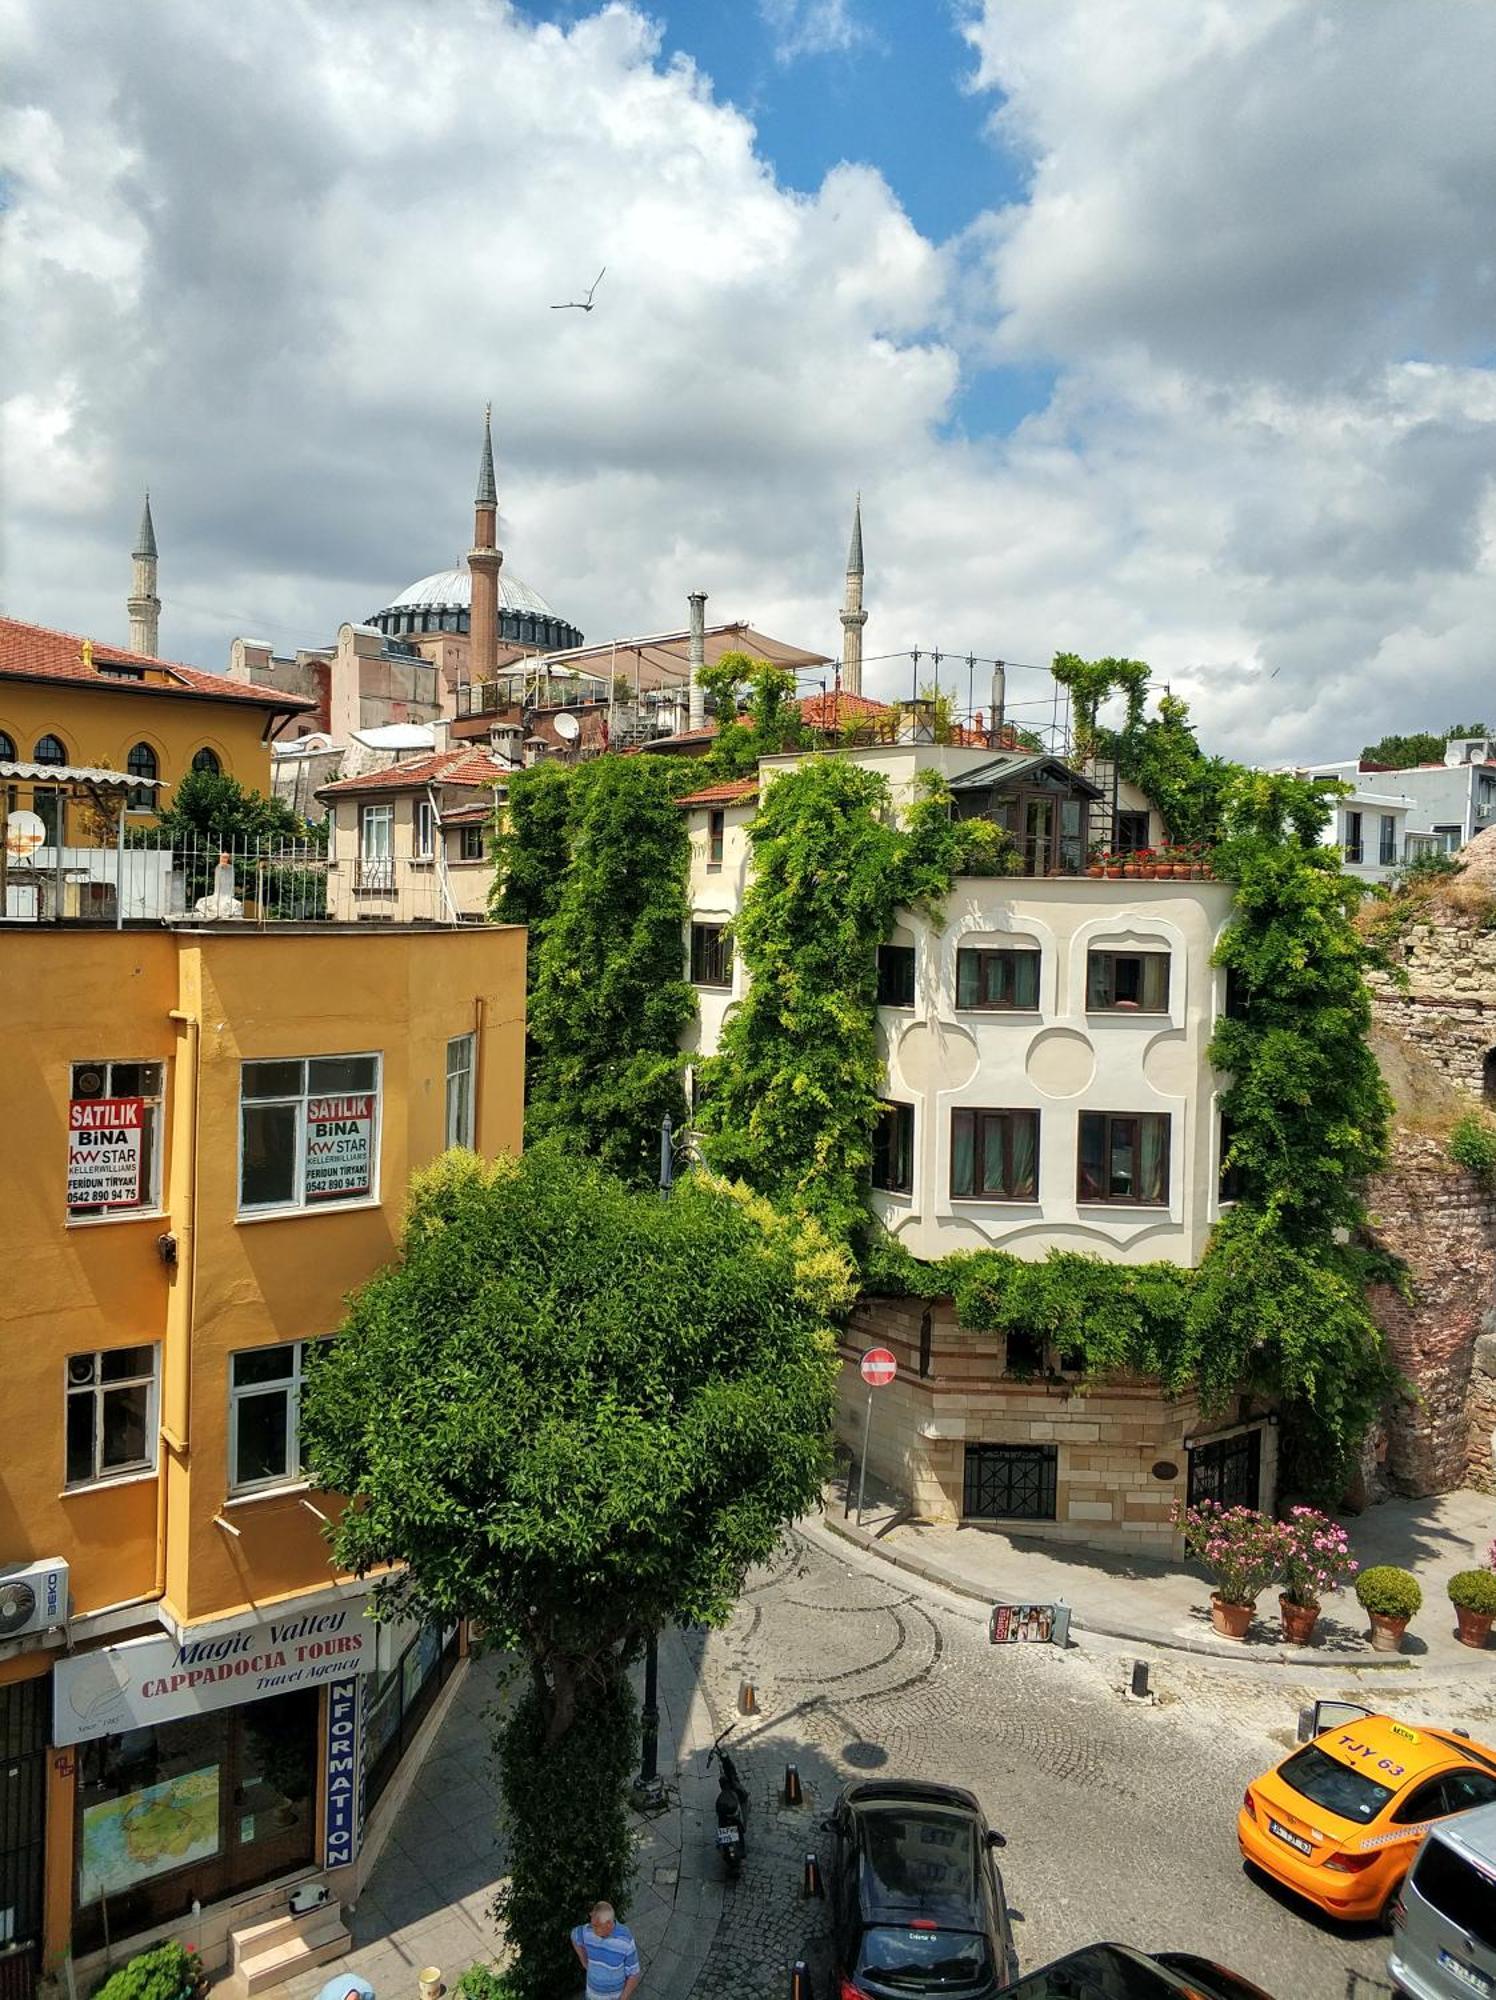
pixel 921 1957
pixel 1328 1783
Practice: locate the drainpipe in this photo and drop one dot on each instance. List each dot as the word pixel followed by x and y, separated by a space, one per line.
pixel 697 657
pixel 175 1422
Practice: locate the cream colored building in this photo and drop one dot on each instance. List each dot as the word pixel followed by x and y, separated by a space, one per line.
pixel 412 843
pixel 1049 1087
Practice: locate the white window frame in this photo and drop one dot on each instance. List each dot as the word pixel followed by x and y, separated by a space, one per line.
pixel 95 1392
pixel 369 818
pixel 289 1386
pixel 298 1204
pixel 470 844
pixel 150 1196
pixel 460 1046
pixel 423 830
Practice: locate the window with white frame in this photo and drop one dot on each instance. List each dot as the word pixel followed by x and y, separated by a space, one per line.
pixel 470 843
pixel 114 1138
pixel 424 830
pixel 308 1132
pixel 460 1059
pixel 376 847
pixel 111 1414
pixel 265 1385
pixel 1130 982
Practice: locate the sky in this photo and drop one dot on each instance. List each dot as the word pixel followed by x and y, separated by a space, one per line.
pixel 1159 328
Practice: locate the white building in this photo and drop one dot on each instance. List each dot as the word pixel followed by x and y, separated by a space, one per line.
pixel 1392 816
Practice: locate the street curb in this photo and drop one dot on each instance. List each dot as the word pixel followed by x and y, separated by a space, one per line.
pixel 1141 1635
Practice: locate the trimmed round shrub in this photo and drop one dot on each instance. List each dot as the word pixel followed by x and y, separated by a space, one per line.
pixel 1473 1590
pixel 1389 1592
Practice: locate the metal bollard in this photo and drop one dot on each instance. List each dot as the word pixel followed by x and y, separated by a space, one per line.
pixel 1140 1679
pixel 810 1881
pixel 793 1796
pixel 800 1981
pixel 747 1698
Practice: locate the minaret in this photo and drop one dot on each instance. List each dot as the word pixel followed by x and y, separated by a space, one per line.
pixel 143 605
pixel 485 560
pixel 853 616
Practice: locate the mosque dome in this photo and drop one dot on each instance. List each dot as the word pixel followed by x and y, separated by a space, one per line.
pixel 442 603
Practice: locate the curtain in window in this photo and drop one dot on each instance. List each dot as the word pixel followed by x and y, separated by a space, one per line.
pixel 994 1180
pixel 1153 1160
pixel 1092 1150
pixel 967 972
pixel 1025 966
pixel 1025 1130
pixel 1097 994
pixel 1156 982
pixel 963 1152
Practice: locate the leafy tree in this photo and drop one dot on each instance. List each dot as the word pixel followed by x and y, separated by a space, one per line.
pixel 210 806
pixel 609 995
pixel 1161 754
pixel 531 849
pixel 1089 683
pixel 576 1413
pixel 772 722
pixel 1401 753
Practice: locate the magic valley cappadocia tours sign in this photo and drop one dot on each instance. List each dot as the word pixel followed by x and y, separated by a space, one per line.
pixel 153 1680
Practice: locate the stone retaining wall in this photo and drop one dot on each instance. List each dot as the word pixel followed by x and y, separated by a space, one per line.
pixel 1447 1013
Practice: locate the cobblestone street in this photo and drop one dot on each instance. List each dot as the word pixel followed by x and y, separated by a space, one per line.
pixel 1120 1815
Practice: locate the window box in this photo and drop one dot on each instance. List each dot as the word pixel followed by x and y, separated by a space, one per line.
pixel 265 1414
pixel 893 1150
pixel 308 1132
pixel 995 1155
pixel 896 975
pixel 114 1139
pixel 111 1415
pixel 1005 979
pixel 711 955
pixel 1131 982
pixel 1124 1157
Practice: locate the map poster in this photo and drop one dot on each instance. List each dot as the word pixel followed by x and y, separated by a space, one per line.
pixel 105 1141
pixel 339 1147
pixel 149 1832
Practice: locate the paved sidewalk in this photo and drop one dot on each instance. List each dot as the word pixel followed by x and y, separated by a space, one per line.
pixel 1168 1604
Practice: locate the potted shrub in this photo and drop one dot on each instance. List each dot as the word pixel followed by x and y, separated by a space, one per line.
pixel 1240 1547
pixel 1094 859
pixel 1314 1558
pixel 1112 865
pixel 1473 1595
pixel 1389 1597
pixel 167 1971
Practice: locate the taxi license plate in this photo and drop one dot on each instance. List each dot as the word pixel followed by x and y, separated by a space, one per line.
pixel 1293 1839
pixel 1466 1974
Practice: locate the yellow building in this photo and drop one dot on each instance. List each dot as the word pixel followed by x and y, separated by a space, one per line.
pixel 66 700
pixel 208 1136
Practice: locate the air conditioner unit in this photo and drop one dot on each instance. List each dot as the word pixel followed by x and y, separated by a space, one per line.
pixel 33 1598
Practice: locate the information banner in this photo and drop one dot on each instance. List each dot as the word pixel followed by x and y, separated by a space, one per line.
pixel 339 1147
pixel 146 1681
pixel 1029 1624
pixel 106 1149
pixel 340 1839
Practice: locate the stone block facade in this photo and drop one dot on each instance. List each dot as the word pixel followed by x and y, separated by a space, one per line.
pixel 1447 1012
pixel 1480 1469
pixel 1121 1448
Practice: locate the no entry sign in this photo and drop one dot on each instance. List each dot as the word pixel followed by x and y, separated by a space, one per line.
pixel 878 1367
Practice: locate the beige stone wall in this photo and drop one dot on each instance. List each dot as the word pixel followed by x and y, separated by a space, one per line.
pixel 1108 1436
pixel 1480 1469
pixel 1447 1012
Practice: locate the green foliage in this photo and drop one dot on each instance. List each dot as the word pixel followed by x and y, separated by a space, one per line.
pixel 481 1982
pixel 1472 1145
pixel 1161 754
pixel 772 722
pixel 596 863
pixel 1389 1592
pixel 209 806
pixel 1400 753
pixel 577 1413
pixel 1115 1318
pixel 791 1097
pixel 167 1971
pixel 570 1836
pixel 1473 1590
pixel 1089 683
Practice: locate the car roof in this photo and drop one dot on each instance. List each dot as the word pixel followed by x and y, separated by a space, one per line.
pixel 1474 1832
pixel 904 1791
pixel 1116 1972
pixel 918 1854
pixel 1419 1751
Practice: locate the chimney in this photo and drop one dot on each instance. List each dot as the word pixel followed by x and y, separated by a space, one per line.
pixel 999 701
pixel 697 657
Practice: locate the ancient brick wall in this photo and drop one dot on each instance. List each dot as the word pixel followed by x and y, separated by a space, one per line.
pixel 1447 1013
pixel 1435 1217
pixel 1480 1469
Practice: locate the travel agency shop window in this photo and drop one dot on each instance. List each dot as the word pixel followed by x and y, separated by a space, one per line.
pixel 114 1139
pixel 308 1132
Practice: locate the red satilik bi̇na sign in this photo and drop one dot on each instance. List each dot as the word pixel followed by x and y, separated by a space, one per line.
pixel 878 1367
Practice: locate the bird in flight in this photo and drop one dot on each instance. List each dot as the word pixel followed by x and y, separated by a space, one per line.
pixel 581 305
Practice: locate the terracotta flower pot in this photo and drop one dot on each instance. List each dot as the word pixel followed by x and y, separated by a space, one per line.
pixel 1114 874
pixel 1475 1626
pixel 1299 1621
pixel 1386 1633
pixel 1230 1620
pixel 1095 869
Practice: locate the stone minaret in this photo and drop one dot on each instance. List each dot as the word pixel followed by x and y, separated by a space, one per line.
pixel 853 616
pixel 485 560
pixel 143 605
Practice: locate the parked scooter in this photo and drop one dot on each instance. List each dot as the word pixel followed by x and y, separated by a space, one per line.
pixel 732 1806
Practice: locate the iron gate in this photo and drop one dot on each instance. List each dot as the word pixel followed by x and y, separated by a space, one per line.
pixel 1229 1470
pixel 23 1822
pixel 1010 1482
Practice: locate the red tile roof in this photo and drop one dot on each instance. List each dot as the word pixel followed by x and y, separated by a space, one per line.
pixel 474 815
pixel 734 791
pixel 37 653
pixel 831 711
pixel 446 767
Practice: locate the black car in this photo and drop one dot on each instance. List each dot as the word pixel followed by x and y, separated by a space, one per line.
pixel 917 1903
pixel 1117 1972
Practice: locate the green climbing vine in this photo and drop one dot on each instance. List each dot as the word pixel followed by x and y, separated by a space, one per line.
pixel 790 1099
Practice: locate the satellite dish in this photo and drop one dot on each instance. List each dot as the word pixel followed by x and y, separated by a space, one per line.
pixel 567 727
pixel 25 832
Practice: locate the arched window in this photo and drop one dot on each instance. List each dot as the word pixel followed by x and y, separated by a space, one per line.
pixel 207 760
pixel 49 750
pixel 141 763
pixel 7 749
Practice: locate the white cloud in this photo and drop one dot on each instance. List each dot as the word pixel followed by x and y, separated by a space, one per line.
pixel 272 260
pixel 812 27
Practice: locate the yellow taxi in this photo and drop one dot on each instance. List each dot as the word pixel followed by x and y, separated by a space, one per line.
pixel 1339 1820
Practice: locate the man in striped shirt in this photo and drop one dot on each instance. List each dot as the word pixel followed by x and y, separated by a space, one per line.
pixel 608 1953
